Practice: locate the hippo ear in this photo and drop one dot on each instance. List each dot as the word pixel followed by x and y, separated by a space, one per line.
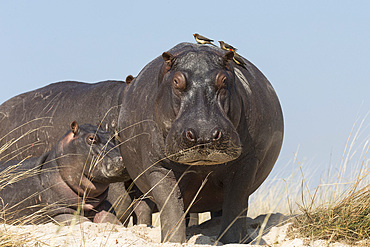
pixel 74 127
pixel 168 58
pixel 129 79
pixel 228 56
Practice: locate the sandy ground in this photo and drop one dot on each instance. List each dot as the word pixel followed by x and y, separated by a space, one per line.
pixel 91 234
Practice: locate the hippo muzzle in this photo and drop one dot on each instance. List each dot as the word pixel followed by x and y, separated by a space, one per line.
pixel 205 155
pixel 202 145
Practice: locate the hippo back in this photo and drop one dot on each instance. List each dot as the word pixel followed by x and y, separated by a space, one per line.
pixel 34 121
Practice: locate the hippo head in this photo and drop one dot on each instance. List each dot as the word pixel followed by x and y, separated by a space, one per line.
pixel 88 159
pixel 197 107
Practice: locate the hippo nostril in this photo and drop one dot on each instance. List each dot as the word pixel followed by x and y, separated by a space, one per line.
pixel 190 135
pixel 118 159
pixel 216 135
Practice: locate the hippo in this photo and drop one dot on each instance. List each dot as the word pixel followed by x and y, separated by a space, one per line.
pixel 207 134
pixel 198 132
pixel 71 179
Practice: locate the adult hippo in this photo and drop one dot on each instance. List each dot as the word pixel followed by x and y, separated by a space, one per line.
pixel 69 181
pixel 207 134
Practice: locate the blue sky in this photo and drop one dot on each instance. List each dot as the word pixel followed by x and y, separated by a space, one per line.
pixel 316 54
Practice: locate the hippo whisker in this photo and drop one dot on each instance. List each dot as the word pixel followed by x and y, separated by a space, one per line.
pixel 206 154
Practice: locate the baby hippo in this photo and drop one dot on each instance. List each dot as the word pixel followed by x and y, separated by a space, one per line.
pixel 69 183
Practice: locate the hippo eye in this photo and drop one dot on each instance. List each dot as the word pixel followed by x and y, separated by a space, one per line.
pixel 179 81
pixel 92 139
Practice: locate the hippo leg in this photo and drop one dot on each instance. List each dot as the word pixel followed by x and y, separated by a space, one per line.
pixel 143 207
pixel 143 212
pixel 120 202
pixel 235 207
pixel 167 196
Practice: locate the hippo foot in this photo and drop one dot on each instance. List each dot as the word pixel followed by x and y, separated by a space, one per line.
pixel 106 217
pixel 70 219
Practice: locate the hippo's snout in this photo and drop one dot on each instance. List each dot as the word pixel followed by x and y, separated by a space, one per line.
pixel 202 145
pixel 109 168
pixel 117 171
pixel 116 166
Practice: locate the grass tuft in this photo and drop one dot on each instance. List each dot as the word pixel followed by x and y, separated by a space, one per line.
pixel 347 220
pixel 339 211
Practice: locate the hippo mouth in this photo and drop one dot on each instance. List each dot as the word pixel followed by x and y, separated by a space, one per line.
pixel 200 156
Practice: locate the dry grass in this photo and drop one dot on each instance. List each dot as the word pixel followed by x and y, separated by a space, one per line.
pixel 347 220
pixel 8 239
